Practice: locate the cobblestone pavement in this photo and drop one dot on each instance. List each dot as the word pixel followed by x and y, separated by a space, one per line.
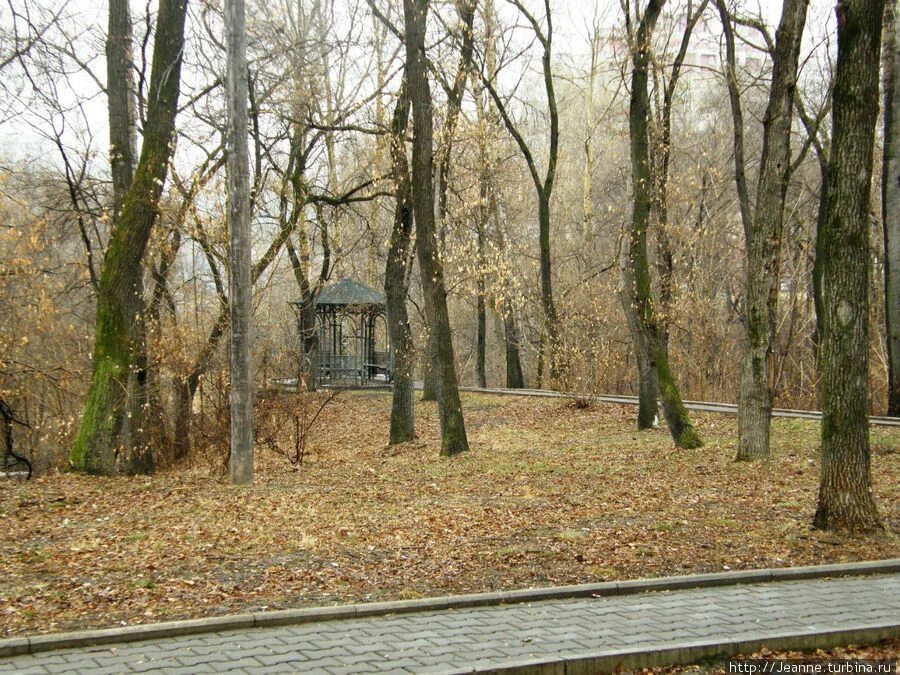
pixel 463 640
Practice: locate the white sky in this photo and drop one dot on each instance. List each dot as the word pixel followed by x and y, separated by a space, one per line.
pixel 20 139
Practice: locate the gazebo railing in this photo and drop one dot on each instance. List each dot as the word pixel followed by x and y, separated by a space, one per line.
pixel 355 368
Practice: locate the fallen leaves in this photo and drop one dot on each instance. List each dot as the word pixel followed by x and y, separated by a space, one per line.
pixel 547 495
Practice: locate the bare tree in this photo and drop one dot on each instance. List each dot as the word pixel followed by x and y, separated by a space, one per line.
pixel 846 501
pixel 99 447
pixel 764 222
pixel 645 328
pixel 890 204
pixel 453 430
pixel 543 185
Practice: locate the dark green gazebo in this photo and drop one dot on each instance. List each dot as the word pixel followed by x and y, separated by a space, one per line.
pixel 354 349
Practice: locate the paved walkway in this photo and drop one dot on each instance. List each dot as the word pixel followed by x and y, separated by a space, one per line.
pixel 563 636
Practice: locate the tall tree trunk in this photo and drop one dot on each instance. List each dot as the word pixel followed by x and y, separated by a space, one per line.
pixel 240 287
pixel 121 101
pixel 481 337
pixel 637 277
pixel 846 501
pixel 648 384
pixel 99 444
pixel 395 281
pixel 659 166
pixel 138 455
pixel 764 239
pixel 890 206
pixel 480 290
pixel 466 10
pixel 453 430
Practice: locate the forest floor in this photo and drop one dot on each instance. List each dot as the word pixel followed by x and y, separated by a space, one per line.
pixel 548 495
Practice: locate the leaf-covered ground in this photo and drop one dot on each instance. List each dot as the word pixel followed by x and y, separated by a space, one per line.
pixel 885 649
pixel 549 494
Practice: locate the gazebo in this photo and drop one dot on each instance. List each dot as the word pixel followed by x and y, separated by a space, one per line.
pixel 354 349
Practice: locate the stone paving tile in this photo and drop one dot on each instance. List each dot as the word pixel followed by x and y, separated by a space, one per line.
pixel 462 639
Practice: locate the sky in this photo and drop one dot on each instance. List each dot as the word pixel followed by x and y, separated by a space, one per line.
pixel 24 138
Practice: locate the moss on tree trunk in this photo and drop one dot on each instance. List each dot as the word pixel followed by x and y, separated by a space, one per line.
pixel 98 447
pixel 646 333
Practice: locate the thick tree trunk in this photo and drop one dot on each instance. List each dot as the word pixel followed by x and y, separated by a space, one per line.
pixel 138 454
pixel 453 430
pixel 395 281
pixel 637 278
pixel 240 285
pixel 311 345
pixel 890 205
pixel 98 447
pixel 846 501
pixel 764 239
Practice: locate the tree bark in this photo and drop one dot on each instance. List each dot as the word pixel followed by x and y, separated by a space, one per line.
pixel 648 386
pixel 515 379
pixel 99 445
pixel 240 285
pixel 890 206
pixel 763 239
pixel 121 101
pixel 395 281
pixel 431 378
pixel 480 290
pixel 453 430
pixel 637 270
pixel 846 501
pixel 481 337
pixel 138 457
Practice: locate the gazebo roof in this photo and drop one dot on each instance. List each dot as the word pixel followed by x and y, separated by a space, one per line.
pixel 349 292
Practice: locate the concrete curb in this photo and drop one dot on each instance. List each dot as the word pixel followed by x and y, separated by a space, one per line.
pixel 40 643
pixel 617 661
pixel 696 406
